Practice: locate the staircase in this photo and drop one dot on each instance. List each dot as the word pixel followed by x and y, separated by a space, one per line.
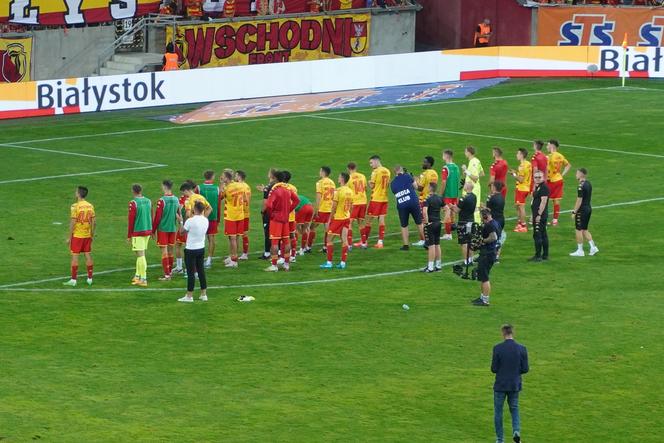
pixel 130 62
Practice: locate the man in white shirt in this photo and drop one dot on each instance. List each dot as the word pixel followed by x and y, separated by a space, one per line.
pixel 194 252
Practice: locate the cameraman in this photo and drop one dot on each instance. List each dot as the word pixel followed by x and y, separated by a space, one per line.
pixel 490 235
pixel 408 205
pixel 466 210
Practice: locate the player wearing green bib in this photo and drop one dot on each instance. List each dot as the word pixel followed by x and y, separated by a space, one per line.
pixel 165 225
pixel 139 229
pixel 304 214
pixel 210 191
pixel 449 179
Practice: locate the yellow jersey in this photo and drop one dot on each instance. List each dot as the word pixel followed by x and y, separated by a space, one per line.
pixel 344 199
pixel 233 195
pixel 358 185
pixel 525 171
pixel 191 201
pixel 291 216
pixel 247 197
pixel 82 213
pixel 325 187
pixel 427 177
pixel 380 178
pixel 557 162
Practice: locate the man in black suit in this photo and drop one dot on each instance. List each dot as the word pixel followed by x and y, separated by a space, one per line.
pixel 510 360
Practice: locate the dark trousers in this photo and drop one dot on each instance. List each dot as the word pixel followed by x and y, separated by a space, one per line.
pixel 541 239
pixel 193 260
pixel 266 233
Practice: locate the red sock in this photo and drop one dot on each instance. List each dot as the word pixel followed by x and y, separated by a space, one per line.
pixel 556 210
pixel 74 272
pixel 344 253
pixel 330 251
pixel 303 240
pixel 448 228
pixel 275 244
pixel 350 236
pixel 245 244
pixel 274 260
pixel 312 236
pixel 90 270
pixel 164 265
pixel 325 239
pixel 365 234
pixel 170 263
pixel 381 232
pixel 293 243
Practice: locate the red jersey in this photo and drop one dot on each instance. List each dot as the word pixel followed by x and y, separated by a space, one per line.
pixel 281 202
pixel 539 162
pixel 499 170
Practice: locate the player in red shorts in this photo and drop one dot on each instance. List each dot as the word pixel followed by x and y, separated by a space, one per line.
pixel 523 177
pixel 379 183
pixel 357 184
pixel 232 193
pixel 450 177
pixel 210 191
pixel 304 214
pixel 498 169
pixel 280 203
pixel 165 225
pixel 338 226
pixel 558 167
pixel 539 161
pixel 292 224
pixel 324 193
pixel 82 226
pixel 241 177
pixel 180 239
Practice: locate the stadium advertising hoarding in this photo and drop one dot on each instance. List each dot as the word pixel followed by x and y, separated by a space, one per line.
pixel 220 8
pixel 73 12
pixel 594 26
pixel 271 41
pixel 15 59
pixel 240 82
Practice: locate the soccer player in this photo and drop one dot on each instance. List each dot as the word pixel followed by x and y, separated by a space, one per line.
pixel 342 204
pixel 82 226
pixel 408 205
pixel 558 166
pixel 139 229
pixel 187 189
pixel 449 189
pixel 357 184
pixel 523 177
pixel 473 172
pixel 265 189
pixel 292 225
pixel 581 213
pixel 241 177
pixel 498 170
pixel 181 235
pixel 379 181
pixel 280 203
pixel 539 161
pixel 232 193
pixel 165 225
pixel 324 195
pixel 490 235
pixel 466 209
pixel 210 191
pixel 432 227
pixel 304 214
pixel 496 204
pixel 428 175
pixel 540 213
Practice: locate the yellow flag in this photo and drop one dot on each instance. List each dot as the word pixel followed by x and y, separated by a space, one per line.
pixel 624 43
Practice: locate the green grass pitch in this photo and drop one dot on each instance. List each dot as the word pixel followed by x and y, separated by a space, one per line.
pixel 334 358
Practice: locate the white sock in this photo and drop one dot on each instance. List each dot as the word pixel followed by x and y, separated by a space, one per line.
pixel 485 298
pixel 592 244
pixel 579 247
pixel 430 267
pixel 178 262
pixel 342 263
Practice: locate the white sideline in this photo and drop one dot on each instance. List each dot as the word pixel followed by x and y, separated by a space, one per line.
pixel 78 154
pixel 260 119
pixel 471 134
pixel 105 171
pixel 13 286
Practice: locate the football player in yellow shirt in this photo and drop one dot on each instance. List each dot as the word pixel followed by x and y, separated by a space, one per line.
pixel 423 182
pixel 357 184
pixel 187 190
pixel 342 204
pixel 232 193
pixel 557 167
pixel 240 177
pixel 523 176
pixel 82 224
pixel 324 195
pixel 379 184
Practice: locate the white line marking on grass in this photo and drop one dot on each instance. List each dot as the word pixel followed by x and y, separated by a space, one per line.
pixel 471 134
pixel 105 171
pixel 13 286
pixel 78 154
pixel 299 115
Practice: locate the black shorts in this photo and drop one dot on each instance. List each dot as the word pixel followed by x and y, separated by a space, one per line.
pixel 414 211
pixel 432 233
pixel 582 219
pixel 484 265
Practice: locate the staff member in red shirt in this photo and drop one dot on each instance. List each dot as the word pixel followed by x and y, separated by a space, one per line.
pixel 281 202
pixel 498 170
pixel 539 161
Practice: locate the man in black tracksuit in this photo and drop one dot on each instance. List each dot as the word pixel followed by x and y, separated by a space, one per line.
pixel 540 214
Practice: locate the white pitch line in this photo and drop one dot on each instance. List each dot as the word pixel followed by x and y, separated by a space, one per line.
pixel 299 115
pixel 471 134
pixel 105 171
pixel 77 154
pixel 13 286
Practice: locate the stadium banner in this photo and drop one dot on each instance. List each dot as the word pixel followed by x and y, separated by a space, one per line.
pixel 92 94
pixel 243 8
pixel 15 59
pixel 73 12
pixel 599 26
pixel 271 41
